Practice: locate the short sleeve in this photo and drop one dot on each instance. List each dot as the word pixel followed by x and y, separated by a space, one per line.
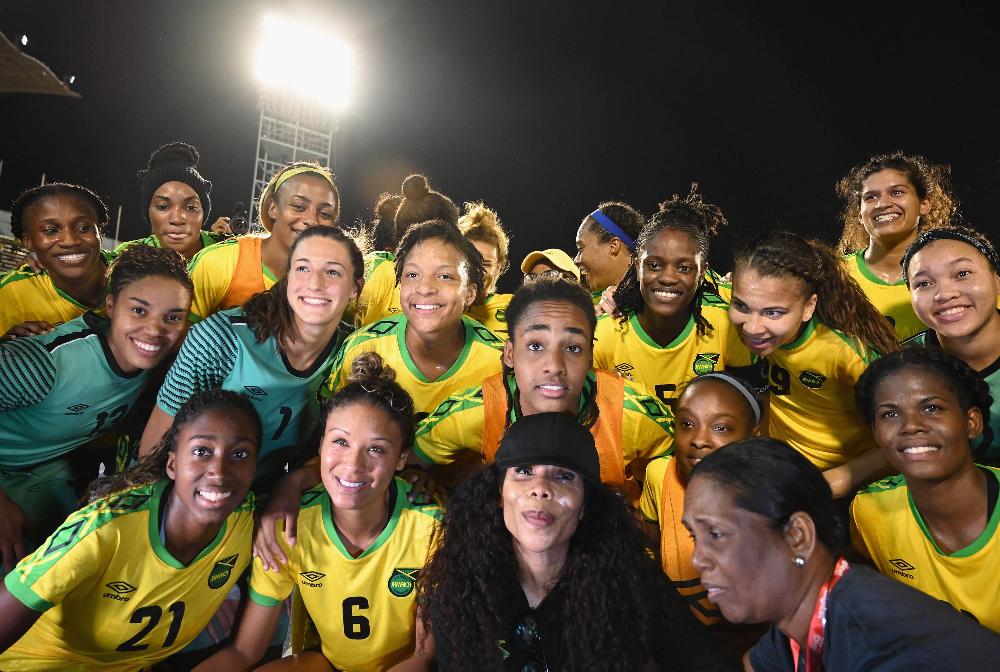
pixel 27 373
pixel 269 589
pixel 604 342
pixel 647 427
pixel 210 285
pixel 206 358
pixel 652 486
pixel 857 538
pixel 456 426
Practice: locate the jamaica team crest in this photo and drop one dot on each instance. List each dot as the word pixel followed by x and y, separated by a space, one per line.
pixel 705 363
pixel 402 580
pixel 221 572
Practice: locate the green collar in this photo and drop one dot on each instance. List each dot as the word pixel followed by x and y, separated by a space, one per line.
pixel 648 340
pixel 397 502
pixel 411 365
pixel 859 259
pixel 804 336
pixel 160 489
pixel 976 545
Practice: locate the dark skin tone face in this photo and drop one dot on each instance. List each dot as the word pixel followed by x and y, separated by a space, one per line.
pixel 670 269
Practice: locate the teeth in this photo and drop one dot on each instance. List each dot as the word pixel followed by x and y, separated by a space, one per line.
pixel 312 301
pixel 952 311
pixel 667 292
pixel 887 218
pixel 213 496
pixel 350 484
pixel 552 387
pixel 426 306
pixel 71 257
pixel 146 347
pixel 919 450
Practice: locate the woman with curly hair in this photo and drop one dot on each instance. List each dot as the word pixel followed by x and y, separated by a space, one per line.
pixel 954 278
pixel 133 576
pixel 482 226
pixel 888 200
pixel 541 567
pixel 669 325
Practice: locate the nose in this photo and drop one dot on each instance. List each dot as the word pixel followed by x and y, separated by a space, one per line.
pixel 578 258
pixel 177 216
pixel 751 325
pixel 913 422
pixel 70 237
pixel 555 362
pixel 540 488
pixel 700 440
pixel 310 217
pixel 884 199
pixel 946 290
pixel 700 559
pixel 217 466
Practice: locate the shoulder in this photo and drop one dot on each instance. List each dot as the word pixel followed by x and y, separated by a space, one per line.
pixel 386 327
pixel 456 403
pixel 213 254
pixel 656 470
pixel 922 339
pixel 841 347
pixel 480 334
pixel 22 275
pixel 148 240
pixel 610 324
pixel 880 499
pixel 430 514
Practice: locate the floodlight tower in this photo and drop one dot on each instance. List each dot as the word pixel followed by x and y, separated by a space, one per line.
pixel 305 76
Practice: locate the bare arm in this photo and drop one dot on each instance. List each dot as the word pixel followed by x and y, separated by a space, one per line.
pixel 158 424
pixel 255 630
pixel 422 656
pixel 862 470
pixel 13 524
pixel 283 504
pixel 17 619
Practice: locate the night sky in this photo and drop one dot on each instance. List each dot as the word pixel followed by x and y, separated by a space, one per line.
pixel 540 108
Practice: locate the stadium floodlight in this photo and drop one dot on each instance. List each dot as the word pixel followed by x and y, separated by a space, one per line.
pixel 24 40
pixel 302 60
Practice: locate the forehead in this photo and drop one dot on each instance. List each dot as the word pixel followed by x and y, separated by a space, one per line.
pixel 947 252
pixel 221 422
pixel 752 288
pixel 672 243
pixel 556 315
pixel 434 251
pixel 908 381
pixel 885 178
pixel 485 249
pixel 320 246
pixel 175 188
pixel 308 185
pixel 65 203
pixel 711 395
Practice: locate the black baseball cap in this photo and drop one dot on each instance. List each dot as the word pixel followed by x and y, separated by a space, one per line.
pixel 550 438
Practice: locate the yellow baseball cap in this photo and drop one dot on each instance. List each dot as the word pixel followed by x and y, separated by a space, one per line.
pixel 553 257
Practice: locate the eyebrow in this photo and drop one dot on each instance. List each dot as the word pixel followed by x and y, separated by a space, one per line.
pixel 344 431
pixel 328 261
pixel 213 437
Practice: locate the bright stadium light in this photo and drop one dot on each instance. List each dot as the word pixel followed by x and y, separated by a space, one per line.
pixel 297 58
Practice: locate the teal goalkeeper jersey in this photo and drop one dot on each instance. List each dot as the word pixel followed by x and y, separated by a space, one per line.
pixel 221 351
pixel 59 390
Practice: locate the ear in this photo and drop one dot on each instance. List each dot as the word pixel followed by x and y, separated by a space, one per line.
pixel 401 462
pixel 508 353
pixel 615 247
pixel 172 465
pixel 925 207
pixel 358 288
pixel 109 304
pixel 26 243
pixel 800 535
pixel 272 207
pixel 974 420
pixel 807 314
pixel 470 294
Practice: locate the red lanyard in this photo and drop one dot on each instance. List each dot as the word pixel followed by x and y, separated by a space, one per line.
pixel 814 640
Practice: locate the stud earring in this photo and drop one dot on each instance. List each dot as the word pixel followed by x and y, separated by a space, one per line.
pixel 799 561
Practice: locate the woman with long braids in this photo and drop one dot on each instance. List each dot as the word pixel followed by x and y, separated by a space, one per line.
pixel 669 326
pixel 298 197
pixel 542 567
pixel 795 306
pixel 75 384
pixel 888 200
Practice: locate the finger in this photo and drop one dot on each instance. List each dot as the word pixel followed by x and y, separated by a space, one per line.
pixel 291 528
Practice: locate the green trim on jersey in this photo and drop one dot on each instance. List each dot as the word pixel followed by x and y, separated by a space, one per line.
pixel 647 339
pixel 197 257
pixel 159 489
pixel 975 546
pixel 404 353
pixel 803 337
pixel 267 273
pixel 859 259
pixel 206 237
pixel 26 273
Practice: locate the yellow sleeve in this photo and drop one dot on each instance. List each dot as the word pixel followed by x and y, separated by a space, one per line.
pixel 647 427
pixel 269 589
pixel 456 426
pixel 736 353
pixel 377 294
pixel 652 489
pixel 857 538
pixel 211 272
pixel 604 343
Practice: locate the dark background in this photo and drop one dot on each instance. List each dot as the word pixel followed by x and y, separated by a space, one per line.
pixel 540 108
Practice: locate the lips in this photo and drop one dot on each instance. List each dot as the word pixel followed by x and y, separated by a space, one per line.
pixel 886 217
pixel 351 486
pixel 758 344
pixel 667 295
pixel 145 347
pixel 552 390
pixel 314 300
pixel 538 518
pixel 952 313
pixel 713 592
pixel 71 258
pixel 213 498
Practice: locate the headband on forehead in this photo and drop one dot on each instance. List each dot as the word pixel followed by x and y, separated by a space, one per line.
pixel 292 172
pixel 612 228
pixel 752 400
pixel 949 233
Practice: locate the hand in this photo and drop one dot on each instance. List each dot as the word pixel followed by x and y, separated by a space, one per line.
pixel 607 305
pixel 32 261
pixel 13 524
pixel 423 489
pixel 221 225
pixel 283 504
pixel 32 328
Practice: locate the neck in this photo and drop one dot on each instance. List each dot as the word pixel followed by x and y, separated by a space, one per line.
pixel 663 329
pixel 954 509
pixel 539 572
pixel 310 340
pixel 816 572
pixel 884 254
pixel 978 349
pixel 275 256
pixel 443 345
pixel 359 528
pixel 185 539
pixel 88 290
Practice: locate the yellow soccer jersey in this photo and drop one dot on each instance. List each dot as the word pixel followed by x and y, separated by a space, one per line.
pixel 492 313
pixel 364 607
pixel 480 359
pixel 662 370
pixel 113 596
pixel 456 426
pixel 380 295
pixel 889 529
pixel 212 271
pixel 812 395
pixel 27 296
pixel 892 299
pixel 723 283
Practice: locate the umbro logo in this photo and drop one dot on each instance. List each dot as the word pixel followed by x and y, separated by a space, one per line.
pixel 312 579
pixel 902 568
pixel 76 409
pixel 624 369
pixel 121 589
pixel 255 391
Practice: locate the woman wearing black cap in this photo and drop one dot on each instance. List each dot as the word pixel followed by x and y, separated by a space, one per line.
pixel 542 567
pixel 175 201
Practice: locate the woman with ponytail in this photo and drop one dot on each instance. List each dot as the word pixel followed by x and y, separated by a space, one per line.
pixel 175 201
pixel 669 326
pixel 795 305
pixel 481 225
pixel 361 545
pixel 298 197
pixel 888 200
pixel 278 348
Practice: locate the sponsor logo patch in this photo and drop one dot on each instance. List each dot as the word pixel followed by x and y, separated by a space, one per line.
pixel 312 579
pixel 705 363
pixel 812 380
pixel 222 571
pixel 255 391
pixel 76 409
pixel 402 580
pixel 902 568
pixel 625 370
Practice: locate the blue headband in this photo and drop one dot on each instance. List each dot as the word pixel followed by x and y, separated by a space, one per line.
pixel 613 228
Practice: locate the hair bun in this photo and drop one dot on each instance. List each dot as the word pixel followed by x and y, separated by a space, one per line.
pixel 477 214
pixel 174 152
pixel 370 370
pixel 386 205
pixel 416 187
